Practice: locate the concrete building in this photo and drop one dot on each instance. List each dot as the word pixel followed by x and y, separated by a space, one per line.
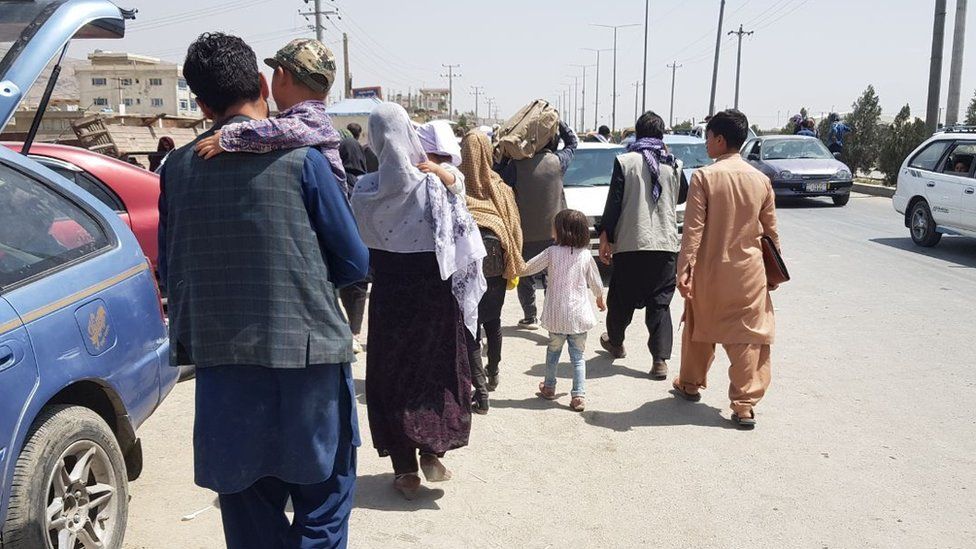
pixel 134 84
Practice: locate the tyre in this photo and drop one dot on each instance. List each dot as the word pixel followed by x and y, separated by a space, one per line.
pixel 69 488
pixel 841 199
pixel 922 225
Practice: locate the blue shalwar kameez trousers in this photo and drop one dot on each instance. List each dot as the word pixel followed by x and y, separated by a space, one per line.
pixel 252 250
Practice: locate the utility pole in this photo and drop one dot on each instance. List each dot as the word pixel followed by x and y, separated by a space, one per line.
pixel 450 87
pixel 718 50
pixel 345 56
pixel 582 106
pixel 738 63
pixel 955 66
pixel 596 101
pixel 674 74
pixel 637 89
pixel 478 90
pixel 319 15
pixel 613 115
pixel 647 19
pixel 935 67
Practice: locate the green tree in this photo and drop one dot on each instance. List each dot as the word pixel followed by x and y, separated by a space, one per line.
pixel 756 129
pixel 971 112
pixel 684 126
pixel 823 129
pixel 864 142
pixel 898 140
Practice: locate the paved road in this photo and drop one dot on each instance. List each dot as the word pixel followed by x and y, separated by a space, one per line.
pixel 866 439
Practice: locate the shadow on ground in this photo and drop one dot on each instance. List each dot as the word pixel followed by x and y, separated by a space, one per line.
pixel 600 367
pixel 960 251
pixel 667 412
pixel 792 203
pixel 377 492
pixel 539 337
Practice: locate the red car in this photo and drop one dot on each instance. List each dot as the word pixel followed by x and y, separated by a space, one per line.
pixel 129 190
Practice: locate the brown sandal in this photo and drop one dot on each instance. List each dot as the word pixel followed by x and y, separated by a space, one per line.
pixel 578 404
pixel 548 393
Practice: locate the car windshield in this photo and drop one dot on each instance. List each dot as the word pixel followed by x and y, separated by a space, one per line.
pixel 794 149
pixel 592 167
pixel 691 155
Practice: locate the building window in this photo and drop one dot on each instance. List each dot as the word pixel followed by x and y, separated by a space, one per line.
pixel 100 102
pixel 193 105
pixel 99 82
pixel 155 81
pixel 157 102
pixel 125 81
pixel 181 83
pixel 184 104
pixel 128 102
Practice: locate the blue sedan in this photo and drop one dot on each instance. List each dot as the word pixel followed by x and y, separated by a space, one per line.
pixel 83 344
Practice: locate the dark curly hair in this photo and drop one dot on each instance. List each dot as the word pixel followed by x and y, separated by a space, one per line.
pixel 222 71
pixel 732 125
pixel 572 229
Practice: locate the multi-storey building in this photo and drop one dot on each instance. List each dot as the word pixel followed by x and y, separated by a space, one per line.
pixel 134 84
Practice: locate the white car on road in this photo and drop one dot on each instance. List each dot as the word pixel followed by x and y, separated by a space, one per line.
pixel 937 187
pixel 587 182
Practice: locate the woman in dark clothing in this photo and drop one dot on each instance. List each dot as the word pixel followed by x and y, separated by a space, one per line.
pixel 425 254
pixel 353 296
pixel 163 148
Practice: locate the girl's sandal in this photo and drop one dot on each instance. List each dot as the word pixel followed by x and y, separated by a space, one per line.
pixel 408 484
pixel 578 404
pixel 433 469
pixel 548 393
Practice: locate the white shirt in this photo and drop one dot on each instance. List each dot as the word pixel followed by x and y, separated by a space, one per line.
pixel 568 308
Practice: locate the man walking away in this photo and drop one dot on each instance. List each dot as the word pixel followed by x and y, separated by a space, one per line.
pixel 251 249
pixel 538 184
pixel 721 273
pixel 603 135
pixel 639 231
pixel 372 163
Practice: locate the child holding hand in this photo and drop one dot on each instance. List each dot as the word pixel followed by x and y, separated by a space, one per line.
pixel 567 313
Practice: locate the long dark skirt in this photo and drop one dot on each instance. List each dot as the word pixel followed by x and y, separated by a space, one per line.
pixel 418 383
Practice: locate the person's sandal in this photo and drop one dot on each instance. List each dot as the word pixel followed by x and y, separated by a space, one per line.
pixel 408 484
pixel 659 372
pixel 492 383
pixel 681 393
pixel 616 351
pixel 433 469
pixel 578 404
pixel 745 423
pixel 548 393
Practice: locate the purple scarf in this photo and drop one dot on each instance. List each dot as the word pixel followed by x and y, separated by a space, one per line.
pixel 654 153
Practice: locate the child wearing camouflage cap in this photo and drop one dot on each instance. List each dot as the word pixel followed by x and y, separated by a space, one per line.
pixel 304 71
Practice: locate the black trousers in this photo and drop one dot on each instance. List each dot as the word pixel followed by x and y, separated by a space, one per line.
pixel 354 301
pixel 526 286
pixel 489 318
pixel 643 280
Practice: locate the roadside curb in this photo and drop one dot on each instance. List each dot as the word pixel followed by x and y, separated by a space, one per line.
pixel 873 190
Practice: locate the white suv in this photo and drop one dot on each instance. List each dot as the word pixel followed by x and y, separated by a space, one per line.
pixel 937 187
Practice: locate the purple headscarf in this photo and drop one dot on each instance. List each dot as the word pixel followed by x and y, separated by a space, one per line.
pixel 655 154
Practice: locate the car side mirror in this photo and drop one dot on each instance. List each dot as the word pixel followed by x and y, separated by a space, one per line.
pixel 837 156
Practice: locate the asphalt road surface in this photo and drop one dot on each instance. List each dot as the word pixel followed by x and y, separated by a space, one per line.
pixel 867 437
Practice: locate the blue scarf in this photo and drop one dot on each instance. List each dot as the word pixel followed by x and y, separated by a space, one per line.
pixel 654 154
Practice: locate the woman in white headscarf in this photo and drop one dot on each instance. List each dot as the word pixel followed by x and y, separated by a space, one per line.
pixel 425 253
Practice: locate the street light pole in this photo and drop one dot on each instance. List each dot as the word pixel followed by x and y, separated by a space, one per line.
pixel 582 106
pixel 637 89
pixel 955 65
pixel 647 18
pixel 596 101
pixel 477 91
pixel 718 49
pixel 738 64
pixel 674 74
pixel 613 115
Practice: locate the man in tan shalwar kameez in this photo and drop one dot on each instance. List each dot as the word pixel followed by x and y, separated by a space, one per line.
pixel 721 273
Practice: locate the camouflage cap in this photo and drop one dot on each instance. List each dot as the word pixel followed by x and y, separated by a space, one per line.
pixel 309 60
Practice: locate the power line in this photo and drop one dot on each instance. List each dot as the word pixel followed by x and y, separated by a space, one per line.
pixel 192 15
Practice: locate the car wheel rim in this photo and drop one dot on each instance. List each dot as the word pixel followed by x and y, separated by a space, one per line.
pixel 920 224
pixel 81 507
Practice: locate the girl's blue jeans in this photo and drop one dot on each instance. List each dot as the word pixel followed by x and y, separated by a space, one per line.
pixel 577 344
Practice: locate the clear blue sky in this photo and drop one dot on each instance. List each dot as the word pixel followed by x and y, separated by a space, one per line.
pixel 815 53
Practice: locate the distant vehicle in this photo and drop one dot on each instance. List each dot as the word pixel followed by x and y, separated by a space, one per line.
pixel 801 167
pixel 83 343
pixel 130 191
pixel 937 187
pixel 699 131
pixel 587 181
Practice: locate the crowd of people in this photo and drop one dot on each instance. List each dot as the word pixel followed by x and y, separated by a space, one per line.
pixel 268 223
